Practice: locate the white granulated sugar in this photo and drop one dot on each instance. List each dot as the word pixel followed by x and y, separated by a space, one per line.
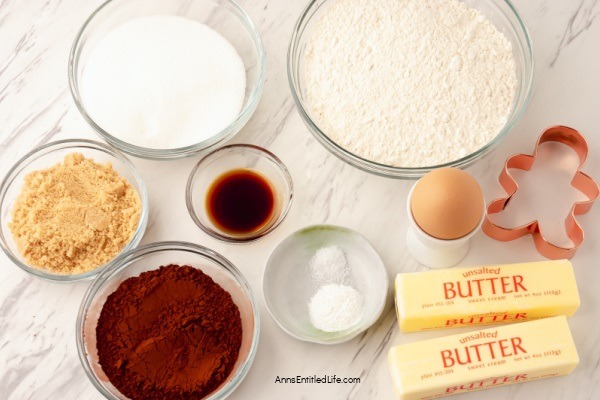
pixel 163 82
pixel 335 308
pixel 329 265
pixel 409 83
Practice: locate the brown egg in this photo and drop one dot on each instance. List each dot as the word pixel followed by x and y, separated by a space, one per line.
pixel 447 203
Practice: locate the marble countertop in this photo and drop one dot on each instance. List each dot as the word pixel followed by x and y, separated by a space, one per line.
pixel 38 356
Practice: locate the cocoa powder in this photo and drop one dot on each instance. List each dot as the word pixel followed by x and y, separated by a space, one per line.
pixel 168 333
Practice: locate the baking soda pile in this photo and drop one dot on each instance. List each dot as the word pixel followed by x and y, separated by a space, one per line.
pixel 336 306
pixel 409 83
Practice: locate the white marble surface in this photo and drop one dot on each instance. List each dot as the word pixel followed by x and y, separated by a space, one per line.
pixel 38 357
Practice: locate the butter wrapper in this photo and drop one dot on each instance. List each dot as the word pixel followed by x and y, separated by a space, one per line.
pixel 459 297
pixel 483 359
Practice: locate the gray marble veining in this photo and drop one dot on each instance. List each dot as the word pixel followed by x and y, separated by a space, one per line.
pixel 38 356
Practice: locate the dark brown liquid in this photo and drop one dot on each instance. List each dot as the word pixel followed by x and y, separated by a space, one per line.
pixel 240 201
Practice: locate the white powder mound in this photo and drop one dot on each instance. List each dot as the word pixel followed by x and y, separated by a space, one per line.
pixel 329 265
pixel 335 308
pixel 163 82
pixel 409 83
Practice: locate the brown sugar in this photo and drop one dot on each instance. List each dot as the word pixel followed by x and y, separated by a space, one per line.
pixel 74 216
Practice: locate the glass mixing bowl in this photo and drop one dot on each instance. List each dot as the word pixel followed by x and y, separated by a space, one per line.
pixel 151 257
pixel 501 13
pixel 224 16
pixel 44 157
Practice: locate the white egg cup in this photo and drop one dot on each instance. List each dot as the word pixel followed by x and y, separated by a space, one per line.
pixel 433 252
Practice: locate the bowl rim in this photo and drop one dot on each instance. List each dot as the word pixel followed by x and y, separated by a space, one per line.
pixel 140 252
pixel 288 200
pixel 352 333
pixel 165 154
pixel 66 144
pixel 389 171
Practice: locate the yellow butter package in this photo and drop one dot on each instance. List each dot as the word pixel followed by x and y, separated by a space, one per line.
pixel 460 297
pixel 483 359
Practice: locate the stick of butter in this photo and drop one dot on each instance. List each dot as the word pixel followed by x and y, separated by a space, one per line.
pixel 494 294
pixel 482 359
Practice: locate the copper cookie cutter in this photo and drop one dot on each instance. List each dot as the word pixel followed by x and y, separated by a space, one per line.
pixel 581 181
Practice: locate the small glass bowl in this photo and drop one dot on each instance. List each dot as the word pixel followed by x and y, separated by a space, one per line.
pixel 288 286
pixel 151 257
pixel 501 13
pixel 224 16
pixel 44 157
pixel 232 157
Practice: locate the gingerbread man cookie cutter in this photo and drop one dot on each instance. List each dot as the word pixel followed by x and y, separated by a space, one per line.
pixel 581 181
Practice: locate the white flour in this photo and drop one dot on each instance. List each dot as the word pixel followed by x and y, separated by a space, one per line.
pixel 163 82
pixel 409 83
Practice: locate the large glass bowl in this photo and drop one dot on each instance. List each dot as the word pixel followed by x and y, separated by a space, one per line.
pixel 501 13
pixel 44 157
pixel 224 16
pixel 151 257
